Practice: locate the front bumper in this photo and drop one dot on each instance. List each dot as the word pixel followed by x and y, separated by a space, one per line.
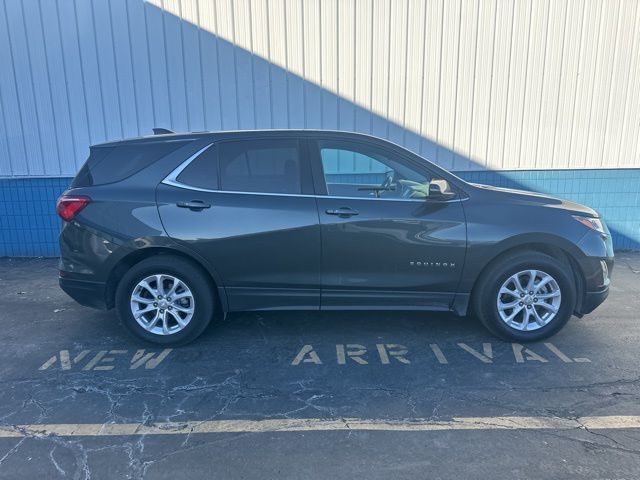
pixel 85 292
pixel 592 300
pixel 597 278
pixel 596 266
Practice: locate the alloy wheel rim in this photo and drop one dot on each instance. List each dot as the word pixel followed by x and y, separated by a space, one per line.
pixel 529 300
pixel 162 304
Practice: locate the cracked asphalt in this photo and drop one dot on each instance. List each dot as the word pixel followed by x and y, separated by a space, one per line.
pixel 65 365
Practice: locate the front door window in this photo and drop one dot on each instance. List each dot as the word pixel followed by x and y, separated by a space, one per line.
pixel 359 172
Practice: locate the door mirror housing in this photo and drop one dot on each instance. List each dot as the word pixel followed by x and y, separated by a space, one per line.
pixel 440 189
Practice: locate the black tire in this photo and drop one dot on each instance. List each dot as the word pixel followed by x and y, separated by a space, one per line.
pixel 190 274
pixel 485 295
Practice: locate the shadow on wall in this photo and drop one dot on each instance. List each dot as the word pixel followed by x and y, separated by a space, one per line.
pixel 197 80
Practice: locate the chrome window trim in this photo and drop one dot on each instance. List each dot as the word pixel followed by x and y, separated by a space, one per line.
pixel 171 180
pixel 302 195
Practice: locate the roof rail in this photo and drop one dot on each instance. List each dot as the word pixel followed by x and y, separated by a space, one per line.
pixel 161 131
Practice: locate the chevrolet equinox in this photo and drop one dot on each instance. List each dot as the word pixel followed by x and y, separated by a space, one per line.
pixel 171 229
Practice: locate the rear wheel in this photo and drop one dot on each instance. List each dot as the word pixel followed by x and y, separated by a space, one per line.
pixel 525 296
pixel 165 300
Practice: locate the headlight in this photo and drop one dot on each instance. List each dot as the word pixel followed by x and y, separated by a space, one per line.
pixel 592 223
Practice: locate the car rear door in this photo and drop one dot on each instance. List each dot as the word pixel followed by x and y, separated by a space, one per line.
pixel 380 246
pixel 246 207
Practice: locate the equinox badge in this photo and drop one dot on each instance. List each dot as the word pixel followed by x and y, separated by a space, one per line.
pixel 432 264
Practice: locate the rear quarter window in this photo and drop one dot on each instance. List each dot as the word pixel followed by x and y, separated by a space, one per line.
pixel 202 172
pixel 113 164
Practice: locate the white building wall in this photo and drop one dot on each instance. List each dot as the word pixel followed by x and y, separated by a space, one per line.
pixel 470 84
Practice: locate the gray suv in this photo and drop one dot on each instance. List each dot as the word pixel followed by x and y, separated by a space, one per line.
pixel 172 229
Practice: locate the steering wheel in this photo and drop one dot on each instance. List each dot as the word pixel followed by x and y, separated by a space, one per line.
pixel 387 185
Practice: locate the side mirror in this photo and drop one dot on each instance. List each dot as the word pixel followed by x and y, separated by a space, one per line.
pixel 435 190
pixel 440 190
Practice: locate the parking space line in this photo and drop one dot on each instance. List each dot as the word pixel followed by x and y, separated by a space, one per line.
pixel 320 425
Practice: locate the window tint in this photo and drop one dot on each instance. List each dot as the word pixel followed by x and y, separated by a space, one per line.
pixel 112 164
pixel 269 166
pixel 361 171
pixel 202 172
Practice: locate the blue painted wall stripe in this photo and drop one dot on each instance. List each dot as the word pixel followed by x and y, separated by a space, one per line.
pixel 29 225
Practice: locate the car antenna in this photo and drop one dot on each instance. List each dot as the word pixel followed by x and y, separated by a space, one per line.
pixel 161 131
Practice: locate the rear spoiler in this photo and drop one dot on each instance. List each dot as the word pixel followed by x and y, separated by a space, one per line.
pixel 162 131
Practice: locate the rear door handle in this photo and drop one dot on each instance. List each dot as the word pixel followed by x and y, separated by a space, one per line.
pixel 342 212
pixel 195 205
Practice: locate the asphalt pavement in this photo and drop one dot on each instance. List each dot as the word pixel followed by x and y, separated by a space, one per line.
pixel 314 395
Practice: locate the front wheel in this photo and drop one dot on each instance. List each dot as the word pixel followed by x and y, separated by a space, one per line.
pixel 525 297
pixel 165 300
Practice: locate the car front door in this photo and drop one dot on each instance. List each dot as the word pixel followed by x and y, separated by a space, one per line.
pixel 386 242
pixel 246 207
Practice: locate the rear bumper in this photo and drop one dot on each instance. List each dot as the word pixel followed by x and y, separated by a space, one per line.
pixel 85 292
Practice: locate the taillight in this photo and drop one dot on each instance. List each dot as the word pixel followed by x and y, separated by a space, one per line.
pixel 69 206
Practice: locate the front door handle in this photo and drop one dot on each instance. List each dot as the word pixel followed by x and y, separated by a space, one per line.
pixel 344 212
pixel 195 205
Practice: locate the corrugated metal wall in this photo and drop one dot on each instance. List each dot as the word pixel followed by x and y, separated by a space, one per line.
pixel 500 84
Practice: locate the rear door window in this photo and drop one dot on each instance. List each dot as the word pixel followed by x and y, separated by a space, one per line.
pixel 109 164
pixel 264 166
